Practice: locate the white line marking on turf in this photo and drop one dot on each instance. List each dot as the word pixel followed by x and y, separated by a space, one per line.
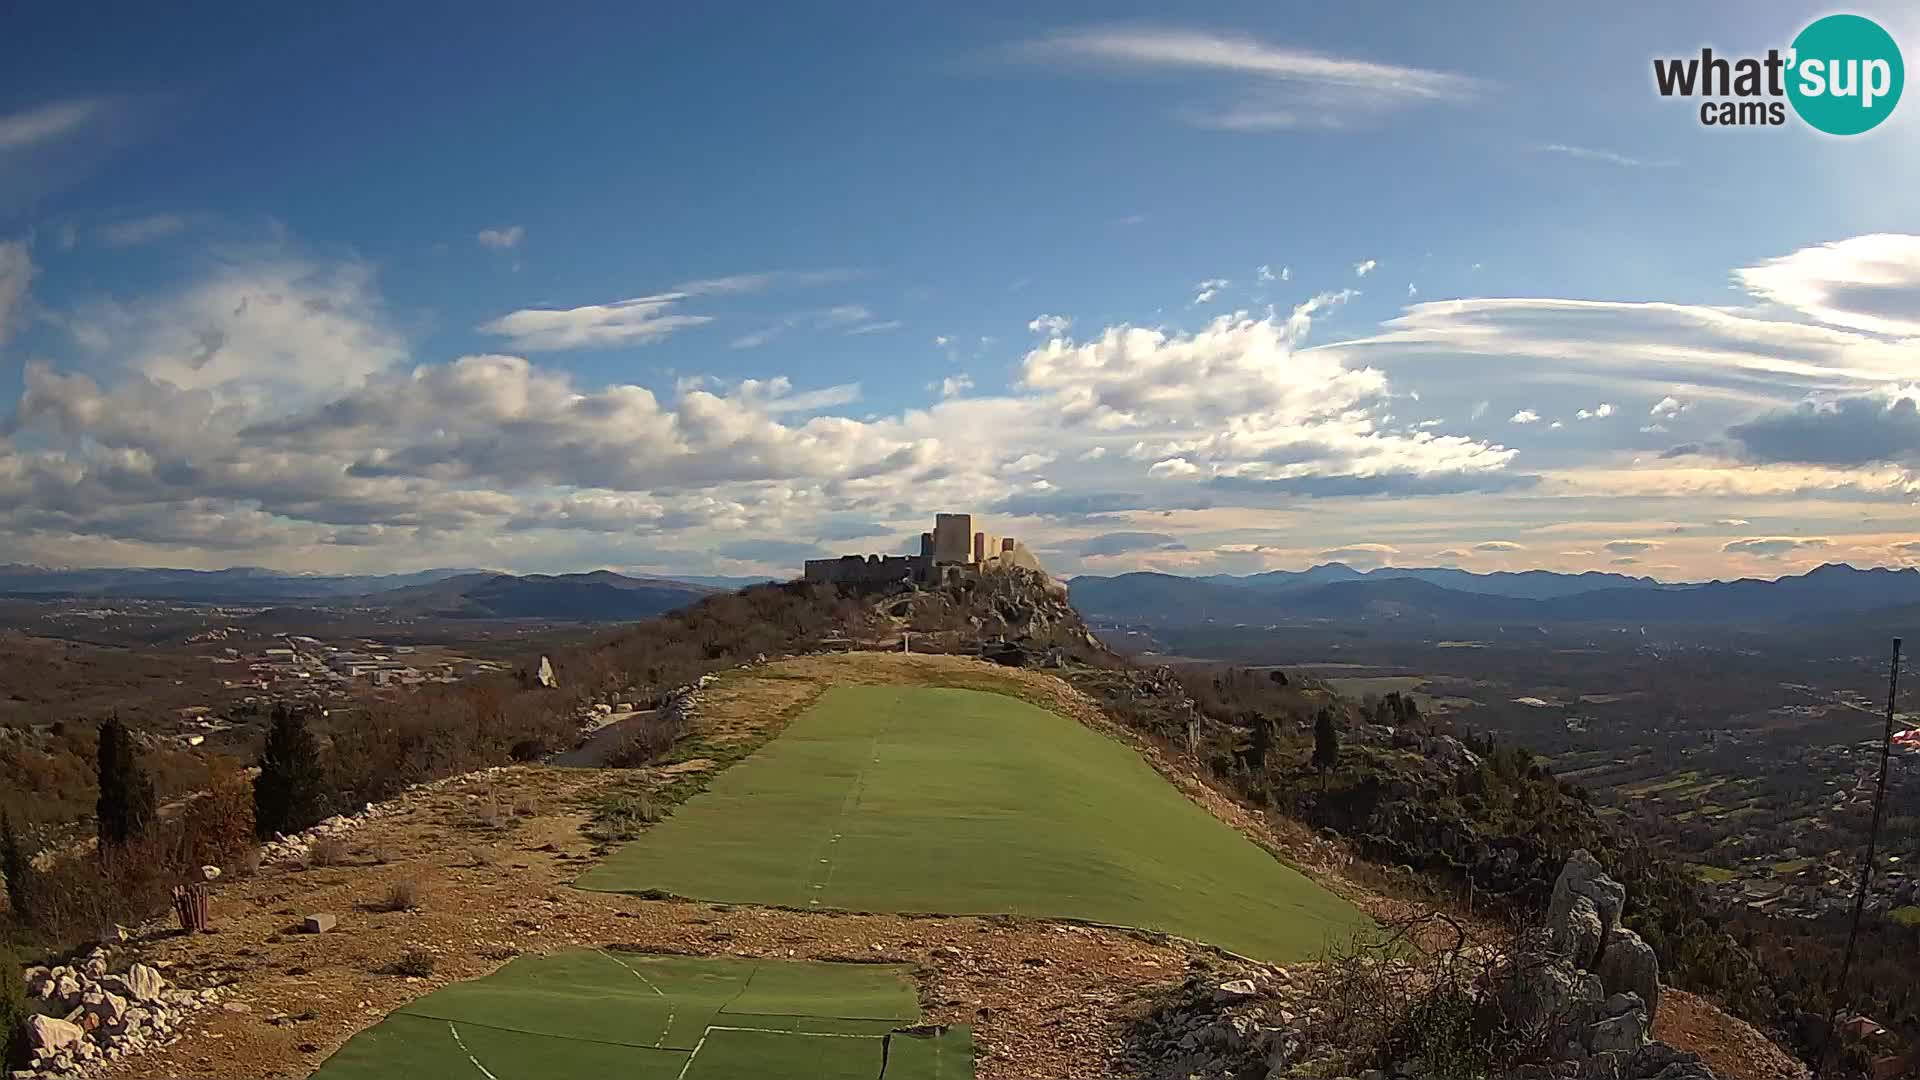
pixel 455 1032
pixel 711 1028
pixel 666 1031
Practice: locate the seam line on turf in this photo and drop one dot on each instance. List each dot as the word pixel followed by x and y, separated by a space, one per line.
pixel 668 1029
pixel 545 1034
pixel 462 1043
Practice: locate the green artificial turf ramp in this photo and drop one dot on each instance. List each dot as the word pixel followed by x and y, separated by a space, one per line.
pixel 597 1014
pixel 962 802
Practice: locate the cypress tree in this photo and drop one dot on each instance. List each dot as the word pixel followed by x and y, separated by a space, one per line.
pixel 18 869
pixel 126 803
pixel 1326 741
pixel 290 793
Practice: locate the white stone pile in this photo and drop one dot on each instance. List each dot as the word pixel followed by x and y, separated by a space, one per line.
pixel 83 1016
pixel 297 847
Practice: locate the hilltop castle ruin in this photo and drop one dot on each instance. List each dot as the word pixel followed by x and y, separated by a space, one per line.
pixel 952 550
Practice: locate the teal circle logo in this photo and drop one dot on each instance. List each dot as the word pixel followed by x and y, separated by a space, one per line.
pixel 1845 74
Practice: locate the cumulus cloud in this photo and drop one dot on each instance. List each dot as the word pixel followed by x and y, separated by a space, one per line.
pixel 1275 87
pixel 1598 412
pixel 1630 547
pixel 954 385
pixel 1667 408
pixel 1867 283
pixel 1050 325
pixel 1499 545
pixel 1772 547
pixel 1524 416
pixel 1362 269
pixel 1848 430
pixel 500 239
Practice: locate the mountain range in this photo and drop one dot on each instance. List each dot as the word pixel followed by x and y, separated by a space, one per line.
pixel 1447 596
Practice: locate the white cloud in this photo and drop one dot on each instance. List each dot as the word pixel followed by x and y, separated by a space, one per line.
pixel 1589 154
pixel 1667 407
pixel 1277 87
pixel 1173 467
pixel 640 320
pixel 1630 547
pixel 1499 546
pixel 954 385
pixel 1263 273
pixel 852 318
pixel 144 230
pixel 502 238
pixel 1050 325
pixel 880 327
pixel 1094 454
pixel 1733 523
pixel 1524 416
pixel 1362 269
pixel 1411 290
pixel 43 123
pixel 1598 412
pixel 275 328
pixel 1208 289
pixel 1772 547
pixel 1029 462
pixel 1869 283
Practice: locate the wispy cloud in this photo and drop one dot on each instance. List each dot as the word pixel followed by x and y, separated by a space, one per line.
pixel 1280 87
pixel 507 236
pixel 643 320
pixel 144 230
pixel 42 123
pixel 1588 153
pixel 1208 289
pixel 1362 269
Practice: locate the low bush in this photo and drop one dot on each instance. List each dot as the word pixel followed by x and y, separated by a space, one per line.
pixel 328 851
pixel 623 815
pixel 416 963
pixel 407 894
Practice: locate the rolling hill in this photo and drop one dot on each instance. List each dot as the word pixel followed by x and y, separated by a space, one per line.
pixel 601 595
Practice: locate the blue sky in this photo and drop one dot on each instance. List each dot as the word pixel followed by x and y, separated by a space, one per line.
pixel 713 290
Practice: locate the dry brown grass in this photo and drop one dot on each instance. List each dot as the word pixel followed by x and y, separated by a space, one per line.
pixel 328 851
pixel 406 894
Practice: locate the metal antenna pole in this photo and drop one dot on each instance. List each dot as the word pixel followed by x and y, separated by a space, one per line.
pixel 1866 870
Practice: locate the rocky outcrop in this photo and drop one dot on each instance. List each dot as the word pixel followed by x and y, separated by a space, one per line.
pixel 1586 905
pixel 84 1014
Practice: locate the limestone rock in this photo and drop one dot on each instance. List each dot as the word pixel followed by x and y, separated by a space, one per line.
pixel 1628 965
pixel 544 674
pixel 319 923
pixel 46 1034
pixel 1622 1034
pixel 1542 995
pixel 144 984
pixel 1237 990
pixel 1583 878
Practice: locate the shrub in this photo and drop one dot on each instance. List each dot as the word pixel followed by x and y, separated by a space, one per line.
pixel 526 804
pixel 648 742
pixel 415 962
pixel 219 825
pixel 290 792
pixel 126 803
pixel 327 851
pixel 623 815
pixel 407 894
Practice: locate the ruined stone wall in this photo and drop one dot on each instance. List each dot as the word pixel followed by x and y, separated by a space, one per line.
pixel 864 570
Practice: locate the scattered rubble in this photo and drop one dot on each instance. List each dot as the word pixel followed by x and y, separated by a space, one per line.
pixel 83 1016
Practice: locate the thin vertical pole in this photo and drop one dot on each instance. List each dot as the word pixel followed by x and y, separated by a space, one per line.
pixel 1866 869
